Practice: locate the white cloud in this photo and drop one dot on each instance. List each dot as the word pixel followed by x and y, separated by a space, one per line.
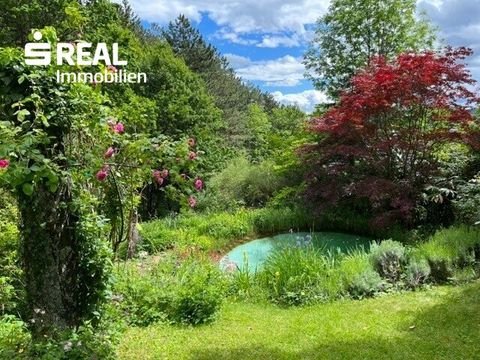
pixel 305 100
pixel 237 61
pixel 459 25
pixel 284 71
pixel 271 19
pixel 247 16
pixel 226 34
pixel 273 41
pixel 286 22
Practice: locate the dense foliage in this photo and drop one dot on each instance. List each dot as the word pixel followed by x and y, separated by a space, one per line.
pixel 379 144
pixel 353 32
pixel 118 200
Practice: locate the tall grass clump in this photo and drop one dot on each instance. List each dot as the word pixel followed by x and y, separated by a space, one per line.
pixel 452 249
pixel 188 292
pixel 157 236
pixel 246 285
pixel 299 276
pixel 275 220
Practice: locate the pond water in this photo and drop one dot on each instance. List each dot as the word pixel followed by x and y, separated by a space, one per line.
pixel 254 253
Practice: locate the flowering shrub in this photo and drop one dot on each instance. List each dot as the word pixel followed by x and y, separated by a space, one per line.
pixel 77 173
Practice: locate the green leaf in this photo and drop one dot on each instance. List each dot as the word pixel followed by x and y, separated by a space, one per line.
pixel 21 114
pixel 27 189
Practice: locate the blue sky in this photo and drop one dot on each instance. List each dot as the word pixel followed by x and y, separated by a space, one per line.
pixel 264 40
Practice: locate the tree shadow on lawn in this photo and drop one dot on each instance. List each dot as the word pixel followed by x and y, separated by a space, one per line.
pixel 450 330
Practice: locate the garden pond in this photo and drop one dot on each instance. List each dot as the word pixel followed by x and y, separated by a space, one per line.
pixel 252 254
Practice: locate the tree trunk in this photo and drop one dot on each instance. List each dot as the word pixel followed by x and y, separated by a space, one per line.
pixel 50 258
pixel 133 236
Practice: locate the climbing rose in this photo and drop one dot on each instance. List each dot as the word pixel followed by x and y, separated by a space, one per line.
pixel 198 184
pixel 111 68
pixel 119 128
pixel 102 173
pixel 164 173
pixel 4 163
pixel 159 180
pixel 157 176
pixel 192 155
pixel 109 153
pixel 191 142
pixel 192 201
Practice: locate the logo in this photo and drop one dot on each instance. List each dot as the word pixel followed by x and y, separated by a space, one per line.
pixel 82 54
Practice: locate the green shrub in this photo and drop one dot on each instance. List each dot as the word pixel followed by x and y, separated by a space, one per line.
pixel 84 342
pixel 224 226
pixel 460 242
pixel 359 278
pixel 440 259
pixel 366 284
pixel 271 220
pixel 156 236
pixel 467 202
pixel 197 294
pixel 11 285
pixel 388 259
pixel 417 272
pixel 465 275
pixel 242 183
pixel 189 293
pixel 450 249
pixel 142 296
pixel 14 338
pixel 299 276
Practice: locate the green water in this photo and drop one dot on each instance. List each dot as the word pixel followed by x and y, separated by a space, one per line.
pixel 257 251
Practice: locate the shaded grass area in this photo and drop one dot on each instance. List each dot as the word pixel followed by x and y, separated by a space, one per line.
pixel 443 323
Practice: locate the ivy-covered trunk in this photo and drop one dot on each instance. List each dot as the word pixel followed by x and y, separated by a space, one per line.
pixel 50 258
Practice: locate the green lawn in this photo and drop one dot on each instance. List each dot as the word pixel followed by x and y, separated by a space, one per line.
pixel 442 323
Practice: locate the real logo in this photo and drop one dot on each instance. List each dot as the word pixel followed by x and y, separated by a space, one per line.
pixel 83 54
pixel 41 53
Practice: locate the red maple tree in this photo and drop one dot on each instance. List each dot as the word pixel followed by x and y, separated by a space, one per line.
pixel 378 143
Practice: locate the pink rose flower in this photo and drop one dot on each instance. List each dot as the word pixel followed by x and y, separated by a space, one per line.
pixel 191 142
pixel 119 128
pixel 4 163
pixel 198 184
pixel 102 173
pixel 192 201
pixel 164 173
pixel 109 153
pixel 111 68
pixel 157 177
pixel 192 155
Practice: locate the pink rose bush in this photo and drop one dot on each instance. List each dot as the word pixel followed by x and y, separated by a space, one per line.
pixel 109 153
pixel 198 184
pixel 4 163
pixel 102 174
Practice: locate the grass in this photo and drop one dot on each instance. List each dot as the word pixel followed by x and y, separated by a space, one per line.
pixel 442 323
pixel 218 231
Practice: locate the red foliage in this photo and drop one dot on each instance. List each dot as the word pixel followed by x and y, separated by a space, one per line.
pixel 378 143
